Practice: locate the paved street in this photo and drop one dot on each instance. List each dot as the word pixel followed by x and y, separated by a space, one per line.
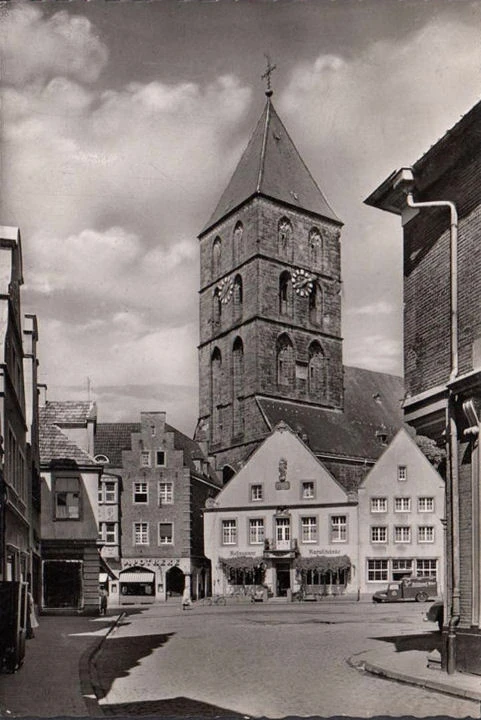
pixel 265 660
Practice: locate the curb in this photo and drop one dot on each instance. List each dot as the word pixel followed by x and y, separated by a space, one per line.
pixel 437 686
pixel 89 683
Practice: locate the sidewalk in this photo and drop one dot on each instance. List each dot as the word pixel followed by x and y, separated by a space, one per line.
pixel 54 679
pixel 411 667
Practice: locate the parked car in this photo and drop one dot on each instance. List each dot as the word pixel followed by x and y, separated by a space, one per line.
pixel 436 613
pixel 419 589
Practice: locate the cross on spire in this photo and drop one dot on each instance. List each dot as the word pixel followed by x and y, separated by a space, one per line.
pixel 267 75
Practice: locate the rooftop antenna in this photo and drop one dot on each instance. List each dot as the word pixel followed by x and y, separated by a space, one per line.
pixel 267 75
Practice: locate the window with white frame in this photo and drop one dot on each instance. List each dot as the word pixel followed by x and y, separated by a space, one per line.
pixel 338 528
pixel 145 458
pixel 256 493
pixel 67 498
pixel 307 489
pixel 402 473
pixel 402 534
pixel 427 567
pixel 108 533
pixel 401 567
pixel 166 533
pixel 229 532
pixel 256 531
pixel 160 458
pixel 141 493
pixel 402 504
pixel 378 505
pixel 426 534
pixel 378 534
pixel 141 533
pixel 309 529
pixel 377 570
pixel 426 504
pixel 166 493
pixel 108 492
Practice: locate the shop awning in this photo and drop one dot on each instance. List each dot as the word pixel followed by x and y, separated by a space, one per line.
pixel 324 563
pixel 241 562
pixel 138 577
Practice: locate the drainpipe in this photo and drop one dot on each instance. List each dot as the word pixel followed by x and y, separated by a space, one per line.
pixel 407 178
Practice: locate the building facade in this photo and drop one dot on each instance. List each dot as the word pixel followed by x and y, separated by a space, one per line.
pixel 70 518
pixel 165 482
pixel 15 508
pixel 401 509
pixel 270 320
pixel 283 522
pixel 439 200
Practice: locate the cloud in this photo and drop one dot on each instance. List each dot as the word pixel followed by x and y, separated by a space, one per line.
pixel 34 47
pixel 377 352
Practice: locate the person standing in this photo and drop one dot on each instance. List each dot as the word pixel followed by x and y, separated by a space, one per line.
pixel 103 601
pixel 32 622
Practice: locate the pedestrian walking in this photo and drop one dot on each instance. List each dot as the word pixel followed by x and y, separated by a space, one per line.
pixel 186 601
pixel 32 622
pixel 103 601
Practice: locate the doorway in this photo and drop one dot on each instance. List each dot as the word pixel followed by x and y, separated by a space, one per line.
pixel 62 584
pixel 283 579
pixel 175 582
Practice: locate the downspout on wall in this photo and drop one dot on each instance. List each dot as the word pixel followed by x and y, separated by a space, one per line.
pixel 405 179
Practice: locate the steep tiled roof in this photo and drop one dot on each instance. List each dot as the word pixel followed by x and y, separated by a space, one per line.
pixel 372 405
pixel 271 166
pixel 112 438
pixel 69 412
pixel 55 445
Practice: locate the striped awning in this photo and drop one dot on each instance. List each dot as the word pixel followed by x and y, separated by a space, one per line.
pixel 137 577
pixel 324 563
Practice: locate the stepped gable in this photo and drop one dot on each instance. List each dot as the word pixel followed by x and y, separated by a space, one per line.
pixel 272 167
pixel 112 438
pixel 372 406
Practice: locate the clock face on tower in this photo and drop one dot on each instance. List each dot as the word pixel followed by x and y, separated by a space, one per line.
pixel 225 289
pixel 303 282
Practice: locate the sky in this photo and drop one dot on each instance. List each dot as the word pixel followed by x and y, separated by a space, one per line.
pixel 122 122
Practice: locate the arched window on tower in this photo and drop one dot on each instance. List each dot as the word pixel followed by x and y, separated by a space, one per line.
pixel 237 386
pixel 216 308
pixel 216 256
pixel 285 361
pixel 316 304
pixel 216 399
pixel 238 242
pixel 238 297
pixel 318 371
pixel 285 293
pixel 284 238
pixel 315 247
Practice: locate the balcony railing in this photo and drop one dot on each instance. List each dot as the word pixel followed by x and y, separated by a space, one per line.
pixel 274 545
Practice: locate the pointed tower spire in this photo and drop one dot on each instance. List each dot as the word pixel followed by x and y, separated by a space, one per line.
pixel 272 167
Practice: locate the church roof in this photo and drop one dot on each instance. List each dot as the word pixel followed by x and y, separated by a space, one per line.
pixel 271 166
pixel 372 408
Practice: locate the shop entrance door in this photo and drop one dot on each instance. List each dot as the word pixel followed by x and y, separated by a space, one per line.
pixel 283 579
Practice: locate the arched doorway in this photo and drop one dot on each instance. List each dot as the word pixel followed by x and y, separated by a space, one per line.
pixel 175 582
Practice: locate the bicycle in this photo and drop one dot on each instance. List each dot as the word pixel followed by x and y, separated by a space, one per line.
pixel 216 600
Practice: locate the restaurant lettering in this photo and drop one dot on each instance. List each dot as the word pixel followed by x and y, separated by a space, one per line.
pixel 326 551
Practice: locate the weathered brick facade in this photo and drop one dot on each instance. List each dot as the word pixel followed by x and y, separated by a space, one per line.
pixel 442 367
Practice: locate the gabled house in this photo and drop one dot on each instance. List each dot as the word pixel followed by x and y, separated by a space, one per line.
pixel 164 480
pixel 401 512
pixel 69 519
pixel 282 521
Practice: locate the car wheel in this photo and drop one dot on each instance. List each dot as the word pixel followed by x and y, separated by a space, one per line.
pixel 422 597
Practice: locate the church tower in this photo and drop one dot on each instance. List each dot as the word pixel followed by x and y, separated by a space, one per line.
pixel 270 302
